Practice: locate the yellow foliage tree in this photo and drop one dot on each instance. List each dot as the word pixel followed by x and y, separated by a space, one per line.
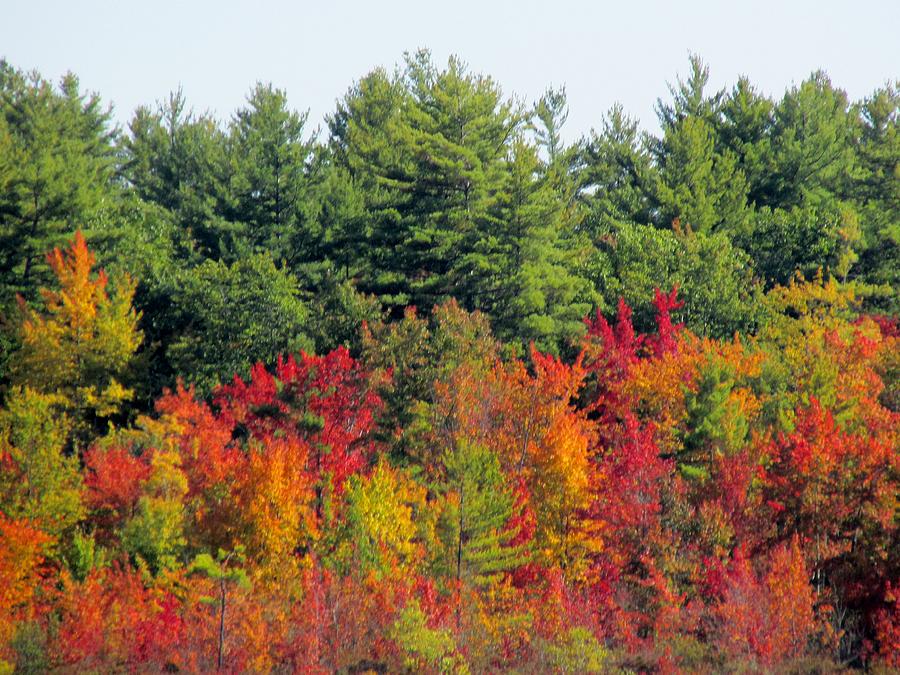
pixel 80 344
pixel 38 482
pixel 381 525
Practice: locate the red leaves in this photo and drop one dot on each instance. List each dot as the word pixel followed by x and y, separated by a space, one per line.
pixel 325 400
pixel 887 628
pixel 822 478
pixel 343 622
pixel 113 478
pixel 203 438
pixel 611 352
pixel 113 618
pixel 667 522
pixel 629 498
pixel 667 333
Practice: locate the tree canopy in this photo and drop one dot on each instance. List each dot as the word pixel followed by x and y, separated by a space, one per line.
pixel 439 388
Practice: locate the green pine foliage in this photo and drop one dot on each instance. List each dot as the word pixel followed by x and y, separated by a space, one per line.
pixel 475 526
pixel 57 163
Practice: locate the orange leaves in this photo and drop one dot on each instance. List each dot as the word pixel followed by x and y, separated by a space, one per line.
pixel 791 598
pixel 79 294
pixel 274 500
pixel 343 623
pixel 209 459
pixel 113 478
pixel 530 422
pixel 21 553
pixel 767 617
pixel 690 502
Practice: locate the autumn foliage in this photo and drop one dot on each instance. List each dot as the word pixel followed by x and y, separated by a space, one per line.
pixel 656 501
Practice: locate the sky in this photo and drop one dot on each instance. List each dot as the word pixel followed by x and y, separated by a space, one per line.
pixel 602 52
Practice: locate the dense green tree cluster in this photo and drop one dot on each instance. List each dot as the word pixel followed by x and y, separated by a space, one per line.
pixel 787 182
pixel 256 235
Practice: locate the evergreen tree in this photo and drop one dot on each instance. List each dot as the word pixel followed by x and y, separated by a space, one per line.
pixel 269 178
pixel 701 188
pixel 56 170
pixel 476 523
pixel 178 160
pixel 689 98
pixel 431 145
pixel 616 173
pixel 811 158
pixel 878 190
pixel 698 184
pixel 458 204
pixel 523 270
pixel 744 128
pixel 551 113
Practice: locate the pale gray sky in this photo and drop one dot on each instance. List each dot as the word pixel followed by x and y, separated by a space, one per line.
pixel 625 51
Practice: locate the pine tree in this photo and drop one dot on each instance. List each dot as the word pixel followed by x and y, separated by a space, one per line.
pixel 428 148
pixel 56 171
pixel 269 181
pixel 476 522
pixel 178 160
pixel 616 173
pixel 811 158
pixel 698 186
pixel 878 190
pixel 525 269
pixel 744 128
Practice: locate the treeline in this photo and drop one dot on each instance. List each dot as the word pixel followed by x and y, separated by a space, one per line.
pixel 432 390
pixel 429 183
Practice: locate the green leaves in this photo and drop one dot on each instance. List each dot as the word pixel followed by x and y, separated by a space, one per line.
pixel 425 646
pixel 234 316
pixel 476 525
pixel 698 186
pixel 225 567
pixel 155 534
pixel 38 480
pixel 712 276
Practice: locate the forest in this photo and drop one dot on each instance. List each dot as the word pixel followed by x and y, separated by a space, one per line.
pixel 432 389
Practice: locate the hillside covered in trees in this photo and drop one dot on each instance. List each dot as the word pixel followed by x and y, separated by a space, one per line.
pixel 432 390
